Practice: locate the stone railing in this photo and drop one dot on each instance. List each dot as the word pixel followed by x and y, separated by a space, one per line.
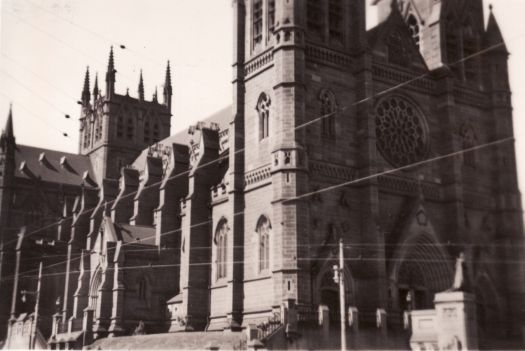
pixel 269 327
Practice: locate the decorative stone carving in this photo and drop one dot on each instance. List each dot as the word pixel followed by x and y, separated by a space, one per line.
pixel 402 133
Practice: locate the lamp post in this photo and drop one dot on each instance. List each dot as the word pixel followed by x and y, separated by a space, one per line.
pixel 32 341
pixel 339 278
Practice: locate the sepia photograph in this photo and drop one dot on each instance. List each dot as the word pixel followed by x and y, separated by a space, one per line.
pixel 262 175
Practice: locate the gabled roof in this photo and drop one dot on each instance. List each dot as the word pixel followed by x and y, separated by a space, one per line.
pixel 53 166
pixel 380 34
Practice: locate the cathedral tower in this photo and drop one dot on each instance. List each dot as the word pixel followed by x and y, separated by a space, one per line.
pixel 115 128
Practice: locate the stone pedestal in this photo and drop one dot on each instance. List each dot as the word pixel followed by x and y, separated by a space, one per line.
pixel 456 321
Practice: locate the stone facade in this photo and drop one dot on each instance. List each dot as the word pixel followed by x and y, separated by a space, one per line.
pixel 334 132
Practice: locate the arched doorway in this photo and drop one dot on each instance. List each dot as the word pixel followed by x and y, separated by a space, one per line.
pixel 421 269
pixel 328 291
pixel 94 292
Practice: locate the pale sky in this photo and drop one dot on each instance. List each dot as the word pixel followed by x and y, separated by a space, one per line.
pixel 45 46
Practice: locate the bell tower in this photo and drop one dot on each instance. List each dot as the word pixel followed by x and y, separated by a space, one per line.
pixel 115 128
pixel 293 60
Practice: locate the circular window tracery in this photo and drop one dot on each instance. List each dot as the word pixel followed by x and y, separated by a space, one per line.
pixel 401 131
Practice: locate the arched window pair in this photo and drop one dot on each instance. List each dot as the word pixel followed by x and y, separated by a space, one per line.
pixel 151 135
pixel 221 243
pixel 315 13
pixel 328 112
pixel 263 231
pixel 263 108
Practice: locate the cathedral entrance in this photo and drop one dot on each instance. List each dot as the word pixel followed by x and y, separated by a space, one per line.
pixel 329 294
pixel 420 270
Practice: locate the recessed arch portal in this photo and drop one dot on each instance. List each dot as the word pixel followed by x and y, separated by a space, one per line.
pixel 421 267
pixel 326 291
pixel 94 287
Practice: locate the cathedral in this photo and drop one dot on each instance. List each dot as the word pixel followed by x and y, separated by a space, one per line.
pixel 396 141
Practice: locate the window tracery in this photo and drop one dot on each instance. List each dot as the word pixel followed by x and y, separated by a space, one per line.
pixel 315 15
pixel 263 230
pixel 263 108
pixel 328 111
pixel 335 20
pixel 469 51
pixel 220 240
pixel 271 16
pixel 257 22
pixel 401 131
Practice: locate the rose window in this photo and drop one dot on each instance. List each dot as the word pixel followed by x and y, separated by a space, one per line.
pixel 401 131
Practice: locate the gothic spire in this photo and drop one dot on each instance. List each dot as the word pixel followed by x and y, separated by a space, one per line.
pixel 155 95
pixel 8 131
pixel 141 87
pixel 493 37
pixel 8 135
pixel 86 96
pixel 95 87
pixel 167 87
pixel 110 75
pixel 111 62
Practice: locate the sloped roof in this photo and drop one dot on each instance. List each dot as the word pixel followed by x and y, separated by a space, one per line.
pixel 50 168
pixel 221 117
pixel 170 341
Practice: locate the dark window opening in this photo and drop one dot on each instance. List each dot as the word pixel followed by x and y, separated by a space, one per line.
pixel 271 16
pixel 257 22
pixel 315 17
pixel 413 25
pixel 336 20
pixel 328 112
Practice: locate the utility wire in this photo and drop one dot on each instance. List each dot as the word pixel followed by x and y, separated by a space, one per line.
pixel 309 194
pixel 310 122
pixel 63 133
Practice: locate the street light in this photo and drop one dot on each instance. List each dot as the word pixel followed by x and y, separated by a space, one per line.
pixel 339 278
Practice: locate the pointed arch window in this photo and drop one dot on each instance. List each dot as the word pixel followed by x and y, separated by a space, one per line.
pixel 271 16
pixel 263 108
pixel 98 129
pixel 257 22
pixel 469 51
pixel 130 129
pixel 120 127
pixel 221 240
pixel 328 111
pixel 335 20
pixel 314 14
pixel 147 132
pixel 156 132
pixel 263 230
